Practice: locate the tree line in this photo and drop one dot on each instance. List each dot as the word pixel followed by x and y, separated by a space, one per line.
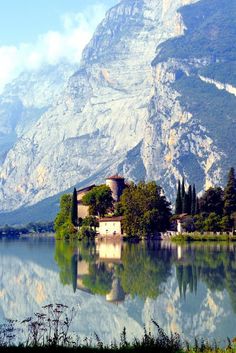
pixel 214 210
pixel 146 210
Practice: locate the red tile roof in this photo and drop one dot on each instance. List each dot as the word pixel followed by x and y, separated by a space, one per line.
pixel 111 219
pixel 115 177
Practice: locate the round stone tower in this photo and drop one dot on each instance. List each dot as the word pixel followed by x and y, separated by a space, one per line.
pixel 117 185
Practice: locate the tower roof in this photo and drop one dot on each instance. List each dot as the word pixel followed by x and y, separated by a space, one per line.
pixel 115 177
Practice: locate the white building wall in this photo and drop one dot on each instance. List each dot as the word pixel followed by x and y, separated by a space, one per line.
pixel 110 228
pixel 179 227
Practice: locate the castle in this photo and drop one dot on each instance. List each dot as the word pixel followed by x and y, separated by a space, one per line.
pixel 117 185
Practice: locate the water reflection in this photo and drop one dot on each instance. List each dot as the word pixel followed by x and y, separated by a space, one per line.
pixel 116 270
pixel 189 288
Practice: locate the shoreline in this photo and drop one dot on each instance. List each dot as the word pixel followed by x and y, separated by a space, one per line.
pixel 193 237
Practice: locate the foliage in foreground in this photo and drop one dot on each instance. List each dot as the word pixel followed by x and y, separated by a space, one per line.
pixel 50 330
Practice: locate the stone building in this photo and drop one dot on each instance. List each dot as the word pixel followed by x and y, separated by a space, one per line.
pixel 83 210
pixel 117 185
pixel 110 226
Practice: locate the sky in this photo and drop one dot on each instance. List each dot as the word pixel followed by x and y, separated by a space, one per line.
pixel 33 33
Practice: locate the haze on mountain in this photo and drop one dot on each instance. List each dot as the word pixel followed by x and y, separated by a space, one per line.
pixel 153 98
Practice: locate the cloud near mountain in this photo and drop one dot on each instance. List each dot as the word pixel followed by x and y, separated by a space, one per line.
pixel 51 47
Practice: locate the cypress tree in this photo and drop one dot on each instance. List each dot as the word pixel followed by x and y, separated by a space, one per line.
pixel 197 206
pixel 74 209
pixel 189 205
pixel 194 201
pixel 183 189
pixel 178 203
pixel 186 203
pixel 230 194
pixel 183 194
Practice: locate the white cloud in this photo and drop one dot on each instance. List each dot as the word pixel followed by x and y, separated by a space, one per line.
pixel 52 46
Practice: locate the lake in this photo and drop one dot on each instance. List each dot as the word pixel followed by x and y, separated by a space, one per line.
pixel 189 289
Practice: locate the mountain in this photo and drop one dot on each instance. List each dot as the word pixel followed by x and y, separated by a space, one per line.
pixel 26 98
pixel 192 121
pixel 154 98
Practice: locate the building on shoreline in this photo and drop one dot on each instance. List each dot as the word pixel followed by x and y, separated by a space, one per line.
pixel 110 226
pixel 117 185
pixel 83 210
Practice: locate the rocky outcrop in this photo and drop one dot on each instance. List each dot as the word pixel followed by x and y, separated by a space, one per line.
pixel 222 86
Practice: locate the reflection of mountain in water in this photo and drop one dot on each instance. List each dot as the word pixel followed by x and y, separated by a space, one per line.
pixel 149 281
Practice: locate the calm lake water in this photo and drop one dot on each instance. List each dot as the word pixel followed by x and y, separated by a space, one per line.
pixel 189 289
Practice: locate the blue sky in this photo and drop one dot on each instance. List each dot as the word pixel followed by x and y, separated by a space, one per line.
pixel 23 20
pixel 33 33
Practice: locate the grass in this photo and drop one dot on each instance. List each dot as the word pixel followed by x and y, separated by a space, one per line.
pixel 49 331
pixel 187 237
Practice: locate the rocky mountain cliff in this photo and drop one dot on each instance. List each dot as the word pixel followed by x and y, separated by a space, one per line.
pixel 27 98
pixel 153 99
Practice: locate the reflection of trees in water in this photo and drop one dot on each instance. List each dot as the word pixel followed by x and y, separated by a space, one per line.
pixel 67 259
pixel 99 279
pixel 64 252
pixel 144 268
pixel 215 266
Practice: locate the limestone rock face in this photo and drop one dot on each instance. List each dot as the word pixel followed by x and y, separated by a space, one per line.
pixel 146 101
pixel 26 99
pixel 103 112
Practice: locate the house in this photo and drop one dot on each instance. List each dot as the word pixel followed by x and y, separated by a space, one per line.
pixel 83 210
pixel 184 223
pixel 110 226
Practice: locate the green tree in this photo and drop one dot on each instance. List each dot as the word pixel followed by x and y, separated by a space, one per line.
pixel 199 222
pixel 146 209
pixel 99 200
pixel 183 193
pixel 74 209
pixel 62 224
pixel 194 201
pixel 212 201
pixel 187 201
pixel 225 223
pixel 178 202
pixel 91 222
pixel 230 194
pixel 212 223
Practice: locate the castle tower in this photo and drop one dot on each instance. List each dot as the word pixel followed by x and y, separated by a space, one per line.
pixel 117 185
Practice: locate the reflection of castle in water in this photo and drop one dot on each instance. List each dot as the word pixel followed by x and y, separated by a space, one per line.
pixel 82 270
pixel 117 294
pixel 114 269
pixel 109 251
pixel 108 254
